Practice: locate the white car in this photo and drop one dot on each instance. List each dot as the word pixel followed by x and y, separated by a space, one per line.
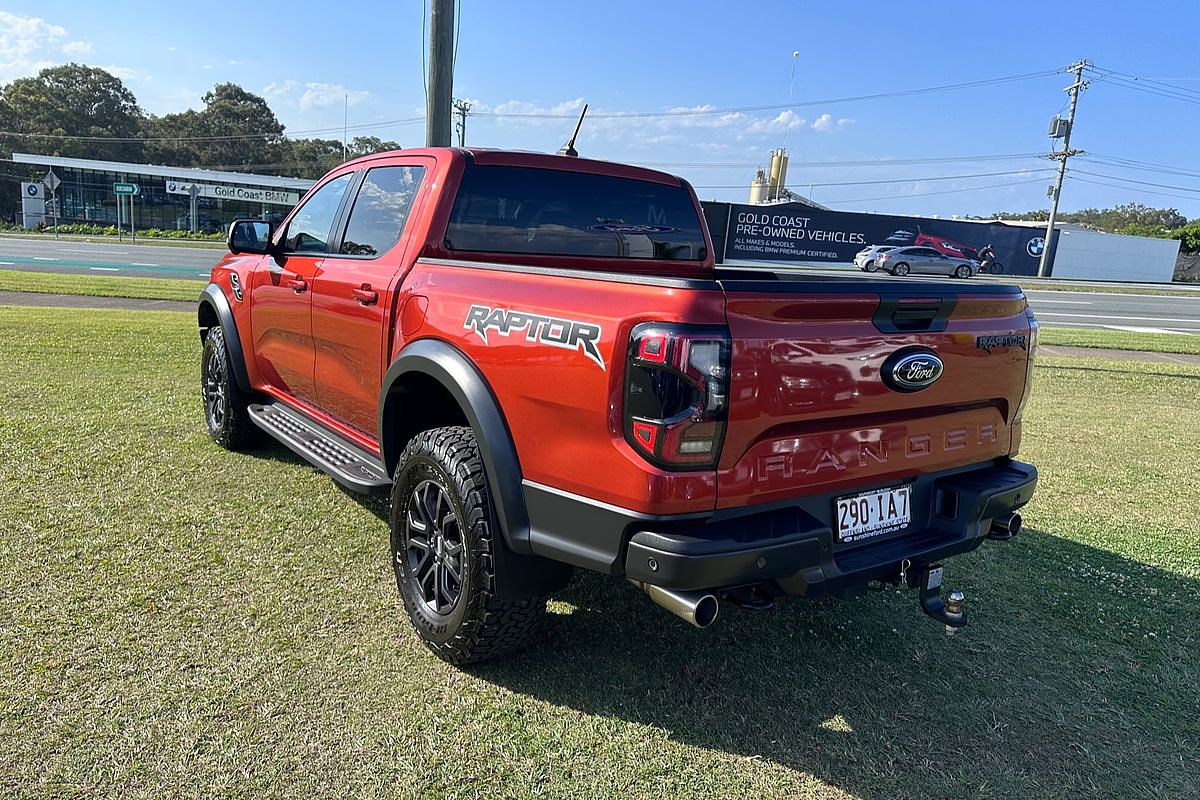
pixel 866 259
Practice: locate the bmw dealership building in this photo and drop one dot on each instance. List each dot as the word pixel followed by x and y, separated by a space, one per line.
pixel 168 198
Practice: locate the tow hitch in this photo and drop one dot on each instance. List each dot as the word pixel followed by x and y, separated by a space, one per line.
pixel 929 580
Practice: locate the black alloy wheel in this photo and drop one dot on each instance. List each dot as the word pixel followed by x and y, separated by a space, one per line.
pixel 225 404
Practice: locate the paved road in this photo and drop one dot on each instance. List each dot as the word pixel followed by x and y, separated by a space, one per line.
pixel 104 258
pixel 1074 309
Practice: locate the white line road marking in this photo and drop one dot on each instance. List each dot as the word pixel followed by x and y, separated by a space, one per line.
pixel 1111 327
pixel 7 264
pixel 203 274
pixel 141 264
pixel 1066 302
pixel 105 269
pixel 1175 295
pixel 1131 319
pixel 44 258
pixel 93 252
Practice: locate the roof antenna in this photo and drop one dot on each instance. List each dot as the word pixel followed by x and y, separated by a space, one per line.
pixel 568 149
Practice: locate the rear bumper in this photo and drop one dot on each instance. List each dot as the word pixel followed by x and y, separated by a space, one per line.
pixel 793 545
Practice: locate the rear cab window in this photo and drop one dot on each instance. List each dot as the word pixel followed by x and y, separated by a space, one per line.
pixel 529 210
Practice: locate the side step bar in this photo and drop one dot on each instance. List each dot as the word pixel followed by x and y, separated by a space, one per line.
pixel 349 465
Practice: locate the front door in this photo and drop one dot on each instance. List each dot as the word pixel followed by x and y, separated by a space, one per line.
pixel 354 294
pixel 281 298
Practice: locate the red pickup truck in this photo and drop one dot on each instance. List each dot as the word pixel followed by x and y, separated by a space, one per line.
pixel 537 358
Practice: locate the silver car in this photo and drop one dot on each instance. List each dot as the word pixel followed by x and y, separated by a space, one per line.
pixel 865 259
pixel 925 260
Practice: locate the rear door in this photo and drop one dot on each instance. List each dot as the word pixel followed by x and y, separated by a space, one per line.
pixel 813 408
pixel 355 292
pixel 280 299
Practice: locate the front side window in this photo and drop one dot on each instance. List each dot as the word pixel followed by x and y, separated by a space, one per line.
pixel 381 210
pixel 308 232
pixel 559 212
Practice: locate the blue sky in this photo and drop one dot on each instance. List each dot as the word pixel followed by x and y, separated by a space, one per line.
pixel 549 57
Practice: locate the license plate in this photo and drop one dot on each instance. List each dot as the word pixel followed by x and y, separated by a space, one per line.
pixel 870 514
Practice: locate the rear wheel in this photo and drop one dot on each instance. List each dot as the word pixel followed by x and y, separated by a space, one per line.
pixel 444 542
pixel 900 270
pixel 225 415
pixel 963 271
pixel 872 266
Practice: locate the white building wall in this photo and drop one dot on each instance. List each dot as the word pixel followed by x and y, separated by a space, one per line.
pixel 1090 255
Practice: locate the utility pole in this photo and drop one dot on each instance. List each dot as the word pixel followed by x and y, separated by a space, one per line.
pixel 462 108
pixel 441 73
pixel 1062 156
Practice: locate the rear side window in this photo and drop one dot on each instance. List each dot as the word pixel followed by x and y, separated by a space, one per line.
pixel 553 212
pixel 380 210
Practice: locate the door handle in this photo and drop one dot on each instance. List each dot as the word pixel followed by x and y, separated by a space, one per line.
pixel 299 285
pixel 365 295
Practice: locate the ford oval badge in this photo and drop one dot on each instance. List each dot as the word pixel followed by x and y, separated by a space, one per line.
pixel 912 371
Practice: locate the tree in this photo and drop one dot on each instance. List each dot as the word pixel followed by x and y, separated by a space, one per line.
pixel 1145 220
pixel 368 145
pixel 237 130
pixel 71 100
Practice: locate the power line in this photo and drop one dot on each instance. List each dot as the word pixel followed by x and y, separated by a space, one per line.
pixel 897 180
pixel 825 164
pixel 918 195
pixel 1139 183
pixel 694 112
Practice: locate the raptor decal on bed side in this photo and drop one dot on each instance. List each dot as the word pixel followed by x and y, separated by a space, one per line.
pixel 568 334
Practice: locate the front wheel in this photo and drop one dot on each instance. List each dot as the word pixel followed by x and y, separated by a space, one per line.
pixel 900 270
pixel 963 271
pixel 444 543
pixel 225 415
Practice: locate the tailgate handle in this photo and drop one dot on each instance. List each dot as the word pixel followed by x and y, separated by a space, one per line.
pixel 913 314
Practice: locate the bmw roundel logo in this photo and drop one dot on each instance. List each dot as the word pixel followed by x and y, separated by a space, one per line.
pixel 1035 246
pixel 171 186
pixel 909 371
pixel 31 190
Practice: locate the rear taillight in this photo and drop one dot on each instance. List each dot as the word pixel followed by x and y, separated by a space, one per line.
pixel 677 393
pixel 1032 348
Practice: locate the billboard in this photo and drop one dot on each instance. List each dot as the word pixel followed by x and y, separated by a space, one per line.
pixel 797 233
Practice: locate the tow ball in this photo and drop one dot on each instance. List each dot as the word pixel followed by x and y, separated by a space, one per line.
pixel 949 612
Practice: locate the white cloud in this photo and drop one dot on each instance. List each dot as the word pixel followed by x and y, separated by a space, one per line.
pixel 319 95
pixel 77 48
pixel 844 121
pixel 29 44
pixel 823 123
pixel 124 73
pixel 276 91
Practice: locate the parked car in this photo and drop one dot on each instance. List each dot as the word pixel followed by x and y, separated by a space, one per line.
pixel 942 244
pixel 865 260
pixel 926 261
pixel 537 358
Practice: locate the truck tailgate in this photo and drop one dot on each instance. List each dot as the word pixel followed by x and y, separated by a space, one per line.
pixel 810 411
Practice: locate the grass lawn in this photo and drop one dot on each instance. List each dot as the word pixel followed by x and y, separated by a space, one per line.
pixel 178 621
pixel 1048 285
pixel 101 285
pixel 1120 340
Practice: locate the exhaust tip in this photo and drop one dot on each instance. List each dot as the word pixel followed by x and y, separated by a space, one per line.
pixel 1005 528
pixel 696 608
pixel 706 611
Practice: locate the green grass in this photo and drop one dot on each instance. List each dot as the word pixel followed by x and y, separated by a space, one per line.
pixel 142 239
pixel 101 285
pixel 1167 290
pixel 1121 340
pixel 179 621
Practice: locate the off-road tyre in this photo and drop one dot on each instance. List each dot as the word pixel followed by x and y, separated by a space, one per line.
pixel 440 494
pixel 225 415
pixel 900 270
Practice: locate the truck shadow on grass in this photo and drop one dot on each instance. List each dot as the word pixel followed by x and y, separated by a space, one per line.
pixel 1075 677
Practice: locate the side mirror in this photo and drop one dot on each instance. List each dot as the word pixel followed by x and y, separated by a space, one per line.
pixel 250 236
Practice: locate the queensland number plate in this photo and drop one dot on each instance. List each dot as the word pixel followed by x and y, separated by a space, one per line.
pixel 864 516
